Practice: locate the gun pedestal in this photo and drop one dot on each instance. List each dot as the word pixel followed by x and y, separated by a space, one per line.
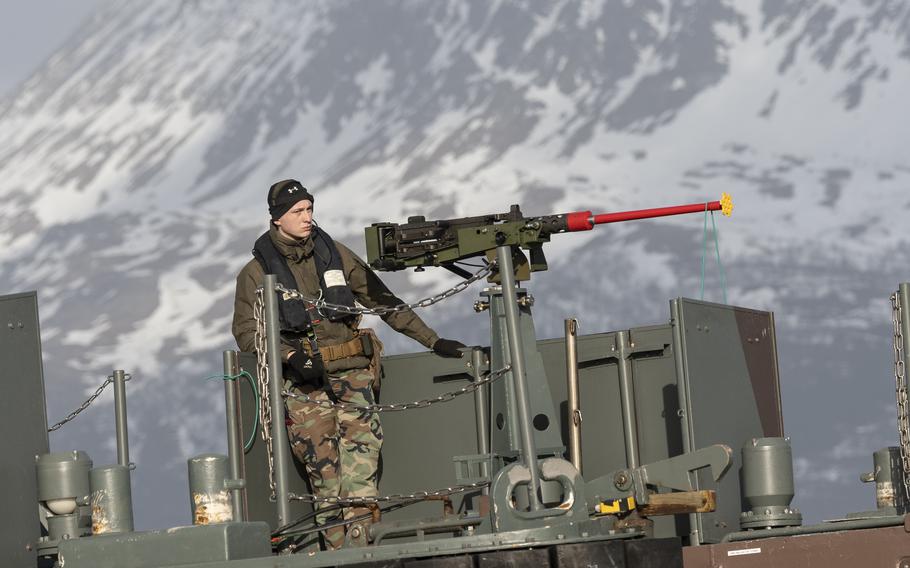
pixel 523 425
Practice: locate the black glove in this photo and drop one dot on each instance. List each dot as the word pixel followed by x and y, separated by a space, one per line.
pixel 310 370
pixel 448 348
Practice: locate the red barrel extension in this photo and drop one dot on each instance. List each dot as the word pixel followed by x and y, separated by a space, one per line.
pixel 585 220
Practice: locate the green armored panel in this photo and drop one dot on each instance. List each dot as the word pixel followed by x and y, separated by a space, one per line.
pixel 256 468
pixel 177 546
pixel 654 380
pixel 656 401
pixel 22 411
pixel 598 379
pixel 419 444
pixel 692 388
pixel 729 392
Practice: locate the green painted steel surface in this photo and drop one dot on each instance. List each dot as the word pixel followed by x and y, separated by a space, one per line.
pixel 393 554
pixel 170 547
pixel 22 411
pixel 729 394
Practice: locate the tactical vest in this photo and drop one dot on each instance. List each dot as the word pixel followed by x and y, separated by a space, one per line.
pixel 293 314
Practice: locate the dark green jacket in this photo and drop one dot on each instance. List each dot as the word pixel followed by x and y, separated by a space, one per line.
pixel 367 287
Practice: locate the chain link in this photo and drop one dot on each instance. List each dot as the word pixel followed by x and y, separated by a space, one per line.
pixel 900 382
pixel 398 406
pixel 86 404
pixel 262 375
pixel 375 500
pixel 384 310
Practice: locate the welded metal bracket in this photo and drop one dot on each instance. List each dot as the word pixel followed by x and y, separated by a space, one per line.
pixel 507 516
pixel 672 473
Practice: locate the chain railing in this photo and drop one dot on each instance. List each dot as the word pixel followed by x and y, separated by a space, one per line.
pixel 262 368
pixel 375 500
pixel 86 404
pixel 399 406
pixel 262 377
pixel 321 304
pixel 900 387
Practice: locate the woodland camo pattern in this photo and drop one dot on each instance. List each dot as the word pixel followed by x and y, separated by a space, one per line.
pixel 339 448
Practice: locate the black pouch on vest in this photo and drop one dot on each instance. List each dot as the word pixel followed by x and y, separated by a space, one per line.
pixel 367 343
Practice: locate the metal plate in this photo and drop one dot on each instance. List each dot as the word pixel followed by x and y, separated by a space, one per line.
pixel 730 393
pixel 168 547
pixel 22 411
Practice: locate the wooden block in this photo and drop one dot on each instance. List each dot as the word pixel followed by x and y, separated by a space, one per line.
pixel 679 502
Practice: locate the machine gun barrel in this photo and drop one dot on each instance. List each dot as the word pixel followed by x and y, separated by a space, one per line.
pixel 585 220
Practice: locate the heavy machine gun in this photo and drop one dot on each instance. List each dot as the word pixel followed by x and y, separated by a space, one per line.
pixel 419 243
pixel 529 476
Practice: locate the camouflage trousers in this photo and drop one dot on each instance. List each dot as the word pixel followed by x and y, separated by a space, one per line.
pixel 338 448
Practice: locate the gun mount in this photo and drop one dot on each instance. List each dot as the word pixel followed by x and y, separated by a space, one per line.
pixel 420 243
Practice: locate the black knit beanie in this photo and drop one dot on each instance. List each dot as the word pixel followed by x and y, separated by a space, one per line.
pixel 285 194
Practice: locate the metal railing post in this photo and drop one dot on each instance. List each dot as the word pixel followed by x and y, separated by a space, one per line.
pixel 574 410
pixel 481 412
pixel 122 428
pixel 234 434
pixel 904 292
pixel 280 450
pixel 627 399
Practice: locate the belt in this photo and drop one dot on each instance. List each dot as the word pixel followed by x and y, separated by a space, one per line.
pixel 350 348
pixel 360 345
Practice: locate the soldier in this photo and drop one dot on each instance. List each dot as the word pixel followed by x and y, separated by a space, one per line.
pixel 325 355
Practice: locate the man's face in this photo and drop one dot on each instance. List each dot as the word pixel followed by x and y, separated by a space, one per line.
pixel 298 221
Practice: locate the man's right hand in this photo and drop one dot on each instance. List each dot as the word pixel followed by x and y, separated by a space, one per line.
pixel 310 369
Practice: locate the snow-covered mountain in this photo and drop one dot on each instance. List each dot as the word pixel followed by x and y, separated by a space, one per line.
pixel 134 167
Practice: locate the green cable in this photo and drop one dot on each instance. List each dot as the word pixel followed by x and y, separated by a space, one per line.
pixel 704 254
pixel 249 377
pixel 720 267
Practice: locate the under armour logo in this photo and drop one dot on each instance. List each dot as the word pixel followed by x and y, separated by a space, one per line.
pixel 292 189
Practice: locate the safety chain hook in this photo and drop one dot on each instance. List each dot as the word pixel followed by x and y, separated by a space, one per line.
pixel 85 404
pixel 900 381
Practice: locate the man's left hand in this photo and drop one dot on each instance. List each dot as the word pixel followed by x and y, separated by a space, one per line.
pixel 448 348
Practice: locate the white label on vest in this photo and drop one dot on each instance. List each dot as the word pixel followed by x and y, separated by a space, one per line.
pixel 334 278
